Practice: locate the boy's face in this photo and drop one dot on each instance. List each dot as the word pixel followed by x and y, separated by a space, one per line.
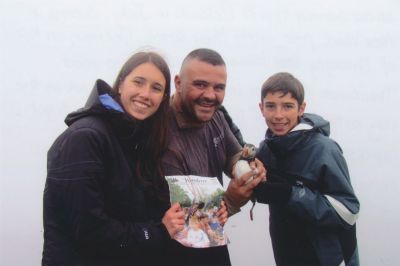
pixel 281 112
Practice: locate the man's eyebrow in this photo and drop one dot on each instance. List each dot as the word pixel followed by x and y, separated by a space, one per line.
pixel 200 81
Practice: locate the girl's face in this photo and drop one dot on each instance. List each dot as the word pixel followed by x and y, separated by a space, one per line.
pixel 142 91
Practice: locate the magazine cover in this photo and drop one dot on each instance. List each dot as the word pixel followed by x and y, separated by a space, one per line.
pixel 200 198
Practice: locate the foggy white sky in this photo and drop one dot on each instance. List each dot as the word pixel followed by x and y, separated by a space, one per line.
pixel 346 53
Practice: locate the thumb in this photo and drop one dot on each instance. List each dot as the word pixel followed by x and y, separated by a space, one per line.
pixel 175 207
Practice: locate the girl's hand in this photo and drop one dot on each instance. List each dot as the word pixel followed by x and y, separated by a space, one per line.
pixel 174 219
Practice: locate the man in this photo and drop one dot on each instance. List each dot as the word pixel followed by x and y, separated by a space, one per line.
pixel 202 143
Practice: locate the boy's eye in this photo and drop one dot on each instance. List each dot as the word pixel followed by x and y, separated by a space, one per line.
pixel 288 106
pixel 269 106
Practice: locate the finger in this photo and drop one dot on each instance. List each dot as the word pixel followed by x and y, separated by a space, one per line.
pixel 221 212
pixel 254 183
pixel 244 178
pixel 175 207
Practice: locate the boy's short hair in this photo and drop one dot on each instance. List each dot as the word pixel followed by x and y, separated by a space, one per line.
pixel 285 83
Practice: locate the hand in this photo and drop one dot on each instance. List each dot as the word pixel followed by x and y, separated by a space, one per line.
pixel 174 219
pixel 239 191
pixel 222 214
pixel 259 170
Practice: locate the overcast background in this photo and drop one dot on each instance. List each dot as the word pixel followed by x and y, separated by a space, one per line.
pixel 346 53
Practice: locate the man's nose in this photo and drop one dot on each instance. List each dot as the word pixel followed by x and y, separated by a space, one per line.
pixel 209 93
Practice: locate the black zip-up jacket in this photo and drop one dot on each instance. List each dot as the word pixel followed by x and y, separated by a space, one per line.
pixel 95 210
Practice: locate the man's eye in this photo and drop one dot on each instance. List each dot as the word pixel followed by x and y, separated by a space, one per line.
pixel 200 85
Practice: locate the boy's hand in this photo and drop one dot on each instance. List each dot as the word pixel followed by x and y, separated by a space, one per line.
pixel 259 170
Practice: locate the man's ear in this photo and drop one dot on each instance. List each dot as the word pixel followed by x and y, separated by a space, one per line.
pixel 177 81
pixel 302 108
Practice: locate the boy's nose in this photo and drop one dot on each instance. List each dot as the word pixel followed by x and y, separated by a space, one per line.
pixel 278 113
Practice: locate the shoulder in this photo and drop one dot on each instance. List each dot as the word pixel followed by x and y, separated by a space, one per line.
pixel 90 123
pixel 325 148
pixel 218 123
pixel 263 151
pixel 84 133
pixel 84 144
pixel 219 118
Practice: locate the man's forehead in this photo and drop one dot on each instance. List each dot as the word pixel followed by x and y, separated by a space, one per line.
pixel 203 70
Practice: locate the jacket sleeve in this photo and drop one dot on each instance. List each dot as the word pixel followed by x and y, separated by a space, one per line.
pixel 75 195
pixel 333 203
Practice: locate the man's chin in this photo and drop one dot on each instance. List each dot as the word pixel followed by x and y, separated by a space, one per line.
pixel 201 117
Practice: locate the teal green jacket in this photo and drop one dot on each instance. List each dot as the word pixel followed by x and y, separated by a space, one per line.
pixel 313 208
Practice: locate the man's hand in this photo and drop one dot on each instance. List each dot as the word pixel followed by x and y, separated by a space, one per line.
pixel 239 191
pixel 222 214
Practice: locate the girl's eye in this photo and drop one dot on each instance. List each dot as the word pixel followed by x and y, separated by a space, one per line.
pixel 138 82
pixel 158 88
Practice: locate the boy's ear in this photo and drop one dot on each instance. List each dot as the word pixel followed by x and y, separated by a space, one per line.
pixel 261 108
pixel 302 108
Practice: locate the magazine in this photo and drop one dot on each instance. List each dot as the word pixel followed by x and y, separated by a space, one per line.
pixel 200 198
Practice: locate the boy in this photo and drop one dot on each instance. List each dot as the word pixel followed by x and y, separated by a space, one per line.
pixel 313 208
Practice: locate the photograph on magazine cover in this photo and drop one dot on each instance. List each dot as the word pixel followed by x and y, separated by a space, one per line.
pixel 200 198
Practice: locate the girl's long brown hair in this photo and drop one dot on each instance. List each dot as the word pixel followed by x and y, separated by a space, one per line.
pixel 155 138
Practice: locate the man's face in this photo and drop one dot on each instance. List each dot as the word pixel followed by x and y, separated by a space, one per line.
pixel 281 112
pixel 201 88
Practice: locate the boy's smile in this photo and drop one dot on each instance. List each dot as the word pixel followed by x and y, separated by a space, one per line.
pixel 281 112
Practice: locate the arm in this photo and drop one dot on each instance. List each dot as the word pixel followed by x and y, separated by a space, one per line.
pixel 240 191
pixel 334 204
pixel 234 128
pixel 173 163
pixel 331 203
pixel 75 191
